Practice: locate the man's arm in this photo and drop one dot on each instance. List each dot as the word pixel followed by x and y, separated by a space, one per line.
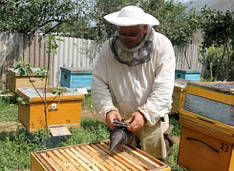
pixel 100 91
pixel 160 99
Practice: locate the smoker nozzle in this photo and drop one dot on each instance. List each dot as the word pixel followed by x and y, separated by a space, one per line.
pixel 119 137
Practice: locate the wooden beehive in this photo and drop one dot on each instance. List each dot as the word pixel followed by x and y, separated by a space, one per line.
pixel 178 95
pixel 207 119
pixel 64 110
pixel 203 146
pixel 15 81
pixel 213 101
pixel 95 156
pixel 193 75
pixel 76 77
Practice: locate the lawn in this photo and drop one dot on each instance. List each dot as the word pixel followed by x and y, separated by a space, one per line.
pixel 15 147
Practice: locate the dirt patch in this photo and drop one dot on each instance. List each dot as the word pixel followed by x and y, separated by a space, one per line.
pixel 6 127
pixel 176 139
pixel 91 114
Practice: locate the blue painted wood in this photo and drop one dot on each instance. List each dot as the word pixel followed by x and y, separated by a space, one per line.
pixel 192 75
pixel 209 108
pixel 65 79
pixel 77 78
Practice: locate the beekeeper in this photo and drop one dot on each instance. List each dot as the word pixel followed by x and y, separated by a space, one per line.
pixel 133 78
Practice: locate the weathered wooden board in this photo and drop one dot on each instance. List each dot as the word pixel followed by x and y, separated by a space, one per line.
pixel 209 108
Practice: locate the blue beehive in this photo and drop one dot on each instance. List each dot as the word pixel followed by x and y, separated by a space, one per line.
pixel 193 75
pixel 76 77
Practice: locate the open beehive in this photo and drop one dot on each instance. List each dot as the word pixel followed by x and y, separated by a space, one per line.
pixel 207 120
pixel 210 101
pixel 95 156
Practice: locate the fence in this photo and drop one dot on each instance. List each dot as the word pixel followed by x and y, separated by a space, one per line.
pixel 72 52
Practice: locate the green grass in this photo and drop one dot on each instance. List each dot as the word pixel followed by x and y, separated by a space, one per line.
pixel 87 103
pixel 8 111
pixel 15 148
pixel 172 159
pixel 177 127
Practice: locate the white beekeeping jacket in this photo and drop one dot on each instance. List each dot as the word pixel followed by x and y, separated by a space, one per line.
pixel 145 87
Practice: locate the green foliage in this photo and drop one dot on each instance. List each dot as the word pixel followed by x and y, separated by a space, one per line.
pixel 21 100
pixel 175 23
pixel 74 18
pixel 217 48
pixel 52 44
pixel 177 127
pixel 24 68
pixel 172 159
pixel 91 130
pixel 217 27
pixel 59 91
pixel 41 72
pixel 87 103
pixel 30 16
pixel 213 59
pixel 8 111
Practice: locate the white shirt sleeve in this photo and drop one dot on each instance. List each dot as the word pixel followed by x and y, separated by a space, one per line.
pixel 100 91
pixel 160 99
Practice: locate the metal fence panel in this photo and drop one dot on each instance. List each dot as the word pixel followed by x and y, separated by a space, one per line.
pixel 72 52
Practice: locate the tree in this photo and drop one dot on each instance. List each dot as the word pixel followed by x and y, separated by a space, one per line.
pixel 177 24
pixel 25 69
pixel 30 16
pixel 217 28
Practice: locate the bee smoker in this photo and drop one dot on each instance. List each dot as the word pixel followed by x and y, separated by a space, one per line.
pixel 121 135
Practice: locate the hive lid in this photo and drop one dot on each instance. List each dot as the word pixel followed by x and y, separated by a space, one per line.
pixel 181 82
pixel 188 71
pixel 31 95
pixel 77 69
pixel 224 87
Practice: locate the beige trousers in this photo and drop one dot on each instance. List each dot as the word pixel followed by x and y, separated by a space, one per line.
pixel 152 139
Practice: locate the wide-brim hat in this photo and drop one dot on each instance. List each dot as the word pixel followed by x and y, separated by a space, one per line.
pixel 130 16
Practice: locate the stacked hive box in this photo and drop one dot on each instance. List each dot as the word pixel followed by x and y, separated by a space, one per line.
pixel 15 81
pixel 207 118
pixel 63 110
pixel 95 156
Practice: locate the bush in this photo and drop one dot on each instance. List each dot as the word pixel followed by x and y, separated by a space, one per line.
pixel 215 64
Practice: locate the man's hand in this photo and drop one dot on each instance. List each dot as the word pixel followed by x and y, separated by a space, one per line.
pixel 110 117
pixel 137 121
